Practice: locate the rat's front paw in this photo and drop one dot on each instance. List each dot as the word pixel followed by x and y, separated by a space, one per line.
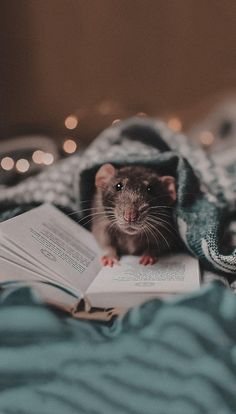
pixel 109 260
pixel 147 260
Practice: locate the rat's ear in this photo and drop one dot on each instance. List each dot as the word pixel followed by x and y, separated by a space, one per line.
pixel 170 185
pixel 104 175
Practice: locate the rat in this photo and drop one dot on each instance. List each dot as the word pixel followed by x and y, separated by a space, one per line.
pixel 132 213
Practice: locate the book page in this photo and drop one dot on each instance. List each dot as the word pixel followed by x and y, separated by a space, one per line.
pixel 13 274
pixel 172 274
pixel 13 269
pixel 47 236
pixel 13 254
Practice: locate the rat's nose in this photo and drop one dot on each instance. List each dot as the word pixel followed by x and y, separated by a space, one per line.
pixel 130 215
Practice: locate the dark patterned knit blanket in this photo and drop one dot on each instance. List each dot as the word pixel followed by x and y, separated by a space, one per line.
pixel 206 206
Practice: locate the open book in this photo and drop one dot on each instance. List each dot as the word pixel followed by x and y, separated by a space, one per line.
pixel 45 249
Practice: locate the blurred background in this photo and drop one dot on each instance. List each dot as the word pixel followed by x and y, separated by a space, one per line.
pixel 69 68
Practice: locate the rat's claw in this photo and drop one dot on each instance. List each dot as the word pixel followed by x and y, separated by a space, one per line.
pixel 108 261
pixel 147 260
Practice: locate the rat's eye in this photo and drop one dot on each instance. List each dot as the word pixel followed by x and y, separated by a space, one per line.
pixel 119 187
pixel 149 189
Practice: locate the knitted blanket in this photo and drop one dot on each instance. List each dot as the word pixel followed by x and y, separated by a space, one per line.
pixel 206 205
pixel 163 358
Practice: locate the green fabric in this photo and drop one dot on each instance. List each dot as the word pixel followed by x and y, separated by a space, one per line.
pixel 164 357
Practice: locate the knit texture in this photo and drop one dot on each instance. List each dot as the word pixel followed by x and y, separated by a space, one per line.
pixel 206 203
pixel 163 357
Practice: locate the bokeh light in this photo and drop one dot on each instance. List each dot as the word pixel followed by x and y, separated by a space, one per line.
pixel 48 158
pixel 38 157
pixel 175 124
pixel 22 165
pixel 116 121
pixel 71 122
pixel 140 114
pixel 206 138
pixel 69 146
pixel 7 163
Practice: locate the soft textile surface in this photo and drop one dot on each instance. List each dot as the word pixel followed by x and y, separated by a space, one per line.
pixel 177 357
pixel 206 191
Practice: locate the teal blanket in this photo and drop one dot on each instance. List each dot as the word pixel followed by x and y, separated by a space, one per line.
pixel 174 357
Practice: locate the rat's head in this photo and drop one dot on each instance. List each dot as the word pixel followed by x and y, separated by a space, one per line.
pixel 134 196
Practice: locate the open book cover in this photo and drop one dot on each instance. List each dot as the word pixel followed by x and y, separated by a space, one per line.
pixel 47 250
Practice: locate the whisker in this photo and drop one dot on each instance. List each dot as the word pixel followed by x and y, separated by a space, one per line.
pixel 158 220
pixel 146 234
pixel 90 220
pixel 111 225
pixel 159 213
pixel 81 211
pixel 162 223
pixel 161 234
pixel 154 236
pixel 98 219
pixel 103 212
pixel 171 229
pixel 91 215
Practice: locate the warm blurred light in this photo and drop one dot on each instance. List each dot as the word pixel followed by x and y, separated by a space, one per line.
pixel 175 124
pixel 105 107
pixel 38 156
pixel 116 121
pixel 7 163
pixel 141 114
pixel 48 158
pixel 69 146
pixel 71 122
pixel 206 138
pixel 22 165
